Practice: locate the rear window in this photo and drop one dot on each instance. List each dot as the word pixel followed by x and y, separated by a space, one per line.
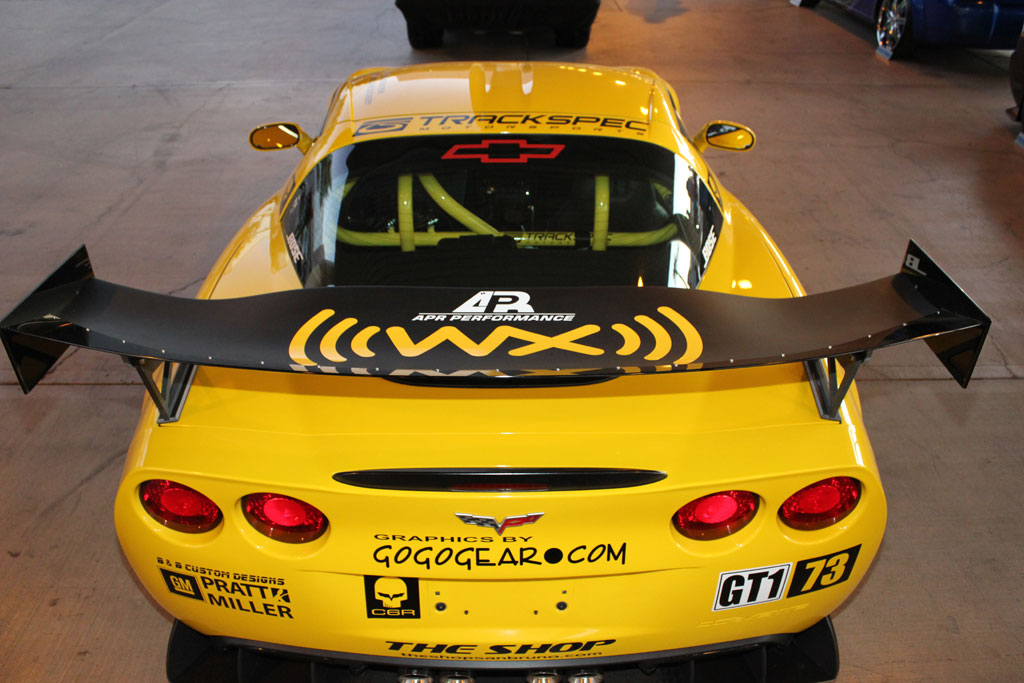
pixel 502 210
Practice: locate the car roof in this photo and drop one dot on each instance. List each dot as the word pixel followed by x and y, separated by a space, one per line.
pixel 451 98
pixel 455 87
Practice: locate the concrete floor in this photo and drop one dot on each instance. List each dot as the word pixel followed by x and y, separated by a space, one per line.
pixel 123 126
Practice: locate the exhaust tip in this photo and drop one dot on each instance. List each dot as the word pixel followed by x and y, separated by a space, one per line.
pixel 457 677
pixel 415 677
pixel 543 677
pixel 586 677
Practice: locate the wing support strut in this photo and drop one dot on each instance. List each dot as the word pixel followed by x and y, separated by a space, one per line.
pixel 169 396
pixel 828 391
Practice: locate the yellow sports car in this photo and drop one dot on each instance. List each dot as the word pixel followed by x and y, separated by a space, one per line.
pixel 502 385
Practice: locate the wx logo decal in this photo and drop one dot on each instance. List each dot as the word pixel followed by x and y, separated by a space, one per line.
pixel 327 339
pixel 537 342
pixel 503 151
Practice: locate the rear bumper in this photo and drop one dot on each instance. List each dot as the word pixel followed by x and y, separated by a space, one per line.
pixel 499 14
pixel 806 657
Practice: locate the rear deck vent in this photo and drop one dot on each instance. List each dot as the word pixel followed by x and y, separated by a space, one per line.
pixel 503 479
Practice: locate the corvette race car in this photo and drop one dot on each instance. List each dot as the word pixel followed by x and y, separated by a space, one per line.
pixel 502 385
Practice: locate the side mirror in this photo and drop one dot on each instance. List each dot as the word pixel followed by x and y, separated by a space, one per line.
pixel 274 136
pixel 725 135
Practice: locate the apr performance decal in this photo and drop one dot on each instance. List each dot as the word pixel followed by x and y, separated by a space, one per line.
pixel 236 591
pixel 503 151
pixel 495 305
pixel 391 597
pixel 521 121
pixel 822 572
pixel 751 586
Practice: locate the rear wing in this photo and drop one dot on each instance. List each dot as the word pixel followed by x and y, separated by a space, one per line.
pixel 403 331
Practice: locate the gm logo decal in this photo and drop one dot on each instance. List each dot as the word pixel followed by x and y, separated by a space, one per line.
pixel 182 584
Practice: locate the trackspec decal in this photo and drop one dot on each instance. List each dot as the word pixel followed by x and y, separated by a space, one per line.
pixel 237 591
pixel 436 123
pixel 392 597
pixel 821 572
pixel 562 650
pixel 751 586
pixel 496 305
pixel 470 558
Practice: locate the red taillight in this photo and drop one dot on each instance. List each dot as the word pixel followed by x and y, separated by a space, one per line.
pixel 284 518
pixel 716 515
pixel 179 507
pixel 821 504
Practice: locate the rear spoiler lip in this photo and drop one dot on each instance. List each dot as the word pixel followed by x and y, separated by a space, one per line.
pixel 73 308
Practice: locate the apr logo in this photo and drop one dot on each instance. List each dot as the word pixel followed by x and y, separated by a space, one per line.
pixel 389 597
pixel 492 523
pixel 497 302
pixel 913 263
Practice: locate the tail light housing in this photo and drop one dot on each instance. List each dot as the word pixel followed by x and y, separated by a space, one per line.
pixel 716 515
pixel 284 518
pixel 179 507
pixel 821 504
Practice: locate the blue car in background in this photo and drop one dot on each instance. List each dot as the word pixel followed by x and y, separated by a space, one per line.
pixel 901 24
pixel 1017 85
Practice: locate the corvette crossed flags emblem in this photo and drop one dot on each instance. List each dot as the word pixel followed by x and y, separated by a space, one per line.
pixel 493 523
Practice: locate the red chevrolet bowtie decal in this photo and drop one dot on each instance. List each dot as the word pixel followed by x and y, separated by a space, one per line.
pixel 503 151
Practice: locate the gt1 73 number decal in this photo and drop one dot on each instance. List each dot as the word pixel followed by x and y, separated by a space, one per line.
pixel 751 586
pixel 821 572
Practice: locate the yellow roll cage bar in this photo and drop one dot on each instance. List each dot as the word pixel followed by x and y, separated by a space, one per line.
pixel 407 239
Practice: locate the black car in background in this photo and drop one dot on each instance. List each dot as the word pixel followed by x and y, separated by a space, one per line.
pixel 426 20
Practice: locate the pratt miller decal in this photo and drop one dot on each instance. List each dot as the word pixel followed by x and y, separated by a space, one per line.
pixel 338 338
pixel 492 523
